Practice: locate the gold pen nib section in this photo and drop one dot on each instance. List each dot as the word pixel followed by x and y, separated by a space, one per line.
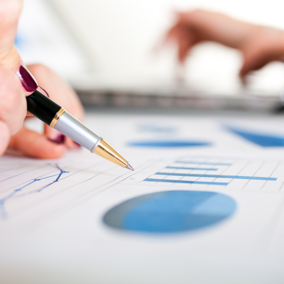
pixel 106 151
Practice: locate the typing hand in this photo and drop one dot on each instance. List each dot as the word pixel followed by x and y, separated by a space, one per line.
pixel 259 45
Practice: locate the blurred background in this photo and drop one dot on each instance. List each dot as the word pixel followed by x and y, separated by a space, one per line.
pixel 109 51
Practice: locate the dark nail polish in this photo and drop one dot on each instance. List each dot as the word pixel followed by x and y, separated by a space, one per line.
pixel 77 145
pixel 60 139
pixel 27 79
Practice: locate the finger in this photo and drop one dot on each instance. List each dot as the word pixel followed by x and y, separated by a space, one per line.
pixel 217 27
pixel 4 137
pixel 10 11
pixel 70 144
pixel 184 38
pixel 254 59
pixel 185 42
pixel 266 46
pixel 62 94
pixel 10 59
pixel 172 33
pixel 13 106
pixel 57 137
pixel 166 39
pixel 248 66
pixel 36 145
pixel 58 90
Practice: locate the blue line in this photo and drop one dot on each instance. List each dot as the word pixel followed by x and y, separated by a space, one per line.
pixel 202 163
pixel 198 169
pixel 186 181
pixel 216 176
pixel 3 212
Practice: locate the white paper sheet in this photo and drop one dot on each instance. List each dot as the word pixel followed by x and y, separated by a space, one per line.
pixel 51 212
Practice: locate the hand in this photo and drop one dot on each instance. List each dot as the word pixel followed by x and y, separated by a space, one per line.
pixel 13 108
pixel 51 144
pixel 259 45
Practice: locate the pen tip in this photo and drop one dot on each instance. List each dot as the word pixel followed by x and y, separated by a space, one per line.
pixel 129 167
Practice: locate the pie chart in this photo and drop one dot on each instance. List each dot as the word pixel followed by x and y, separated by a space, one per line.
pixel 170 212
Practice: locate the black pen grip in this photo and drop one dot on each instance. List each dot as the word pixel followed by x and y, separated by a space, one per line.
pixel 42 107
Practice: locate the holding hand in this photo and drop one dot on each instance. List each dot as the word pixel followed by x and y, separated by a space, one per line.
pixel 13 108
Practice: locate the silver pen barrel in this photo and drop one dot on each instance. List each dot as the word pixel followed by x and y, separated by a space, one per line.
pixel 78 132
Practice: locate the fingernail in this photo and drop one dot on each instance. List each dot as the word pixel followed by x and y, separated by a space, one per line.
pixel 27 79
pixel 77 145
pixel 44 91
pixel 59 139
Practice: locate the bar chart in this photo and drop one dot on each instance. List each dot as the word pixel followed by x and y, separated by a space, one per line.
pixel 209 173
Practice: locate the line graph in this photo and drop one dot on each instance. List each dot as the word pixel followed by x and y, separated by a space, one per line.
pixel 40 190
pixel 3 213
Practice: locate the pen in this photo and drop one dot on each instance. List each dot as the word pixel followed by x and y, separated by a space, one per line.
pixel 57 117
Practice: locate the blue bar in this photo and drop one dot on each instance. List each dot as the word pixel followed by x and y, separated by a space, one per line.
pixel 202 163
pixel 198 169
pixel 216 176
pixel 186 181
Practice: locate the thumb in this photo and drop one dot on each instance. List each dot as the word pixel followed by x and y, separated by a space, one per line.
pixel 36 145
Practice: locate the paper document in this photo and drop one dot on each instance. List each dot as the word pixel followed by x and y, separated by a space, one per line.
pixel 200 195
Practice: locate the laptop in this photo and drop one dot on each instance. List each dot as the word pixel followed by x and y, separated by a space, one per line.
pixel 111 60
